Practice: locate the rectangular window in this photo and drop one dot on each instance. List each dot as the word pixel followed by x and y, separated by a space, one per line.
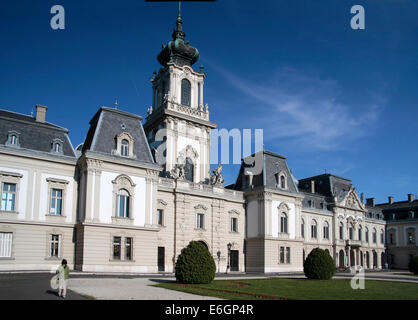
pixel 160 217
pixel 287 255
pixel 411 237
pixel 359 234
pixel 116 248
pixel 374 237
pixel 341 232
pixel 56 202
pixel 6 244
pixel 302 230
pixel 281 254
pixel 382 238
pixel 350 230
pixel 8 197
pixel 128 248
pixel 54 246
pixel 234 225
pixel 200 221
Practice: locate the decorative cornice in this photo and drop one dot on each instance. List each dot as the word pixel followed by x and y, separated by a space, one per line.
pixel 201 206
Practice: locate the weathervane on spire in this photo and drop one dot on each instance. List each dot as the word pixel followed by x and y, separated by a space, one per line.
pixel 116 104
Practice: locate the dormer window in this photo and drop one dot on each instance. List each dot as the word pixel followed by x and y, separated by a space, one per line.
pixel 12 139
pixel 311 203
pixel 57 146
pixel 124 151
pixel 281 181
pixel 124 145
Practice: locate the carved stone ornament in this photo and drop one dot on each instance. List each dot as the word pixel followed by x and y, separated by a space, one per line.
pixel 178 172
pixel 216 179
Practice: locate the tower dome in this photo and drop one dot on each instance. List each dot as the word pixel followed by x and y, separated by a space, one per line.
pixel 178 51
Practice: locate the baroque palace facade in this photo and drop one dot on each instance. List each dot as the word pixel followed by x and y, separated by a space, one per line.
pixel 132 196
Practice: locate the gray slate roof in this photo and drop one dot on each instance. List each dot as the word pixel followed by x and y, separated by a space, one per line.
pixel 33 135
pixel 272 163
pixel 327 185
pixel 108 123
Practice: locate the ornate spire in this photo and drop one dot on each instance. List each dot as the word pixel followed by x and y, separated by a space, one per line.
pixel 178 33
pixel 178 51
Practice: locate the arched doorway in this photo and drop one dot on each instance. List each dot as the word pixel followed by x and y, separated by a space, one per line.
pixel 382 259
pixel 341 258
pixel 352 258
pixel 374 259
pixel 367 259
pixel 361 259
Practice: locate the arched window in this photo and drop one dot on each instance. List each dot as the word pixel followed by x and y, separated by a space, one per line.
pixel 302 229
pixel 360 229
pixel 382 237
pixel 366 234
pixel 123 204
pixel 186 89
pixel 314 229
pixel 282 182
pixel 13 139
pixel 189 169
pixel 326 230
pixel 57 147
pixel 283 222
pixel 124 148
pixel 374 235
pixel 351 232
pixel 341 231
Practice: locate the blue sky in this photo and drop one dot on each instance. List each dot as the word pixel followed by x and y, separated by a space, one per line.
pixel 327 97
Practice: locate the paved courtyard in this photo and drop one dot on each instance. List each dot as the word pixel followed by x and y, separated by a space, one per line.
pixel 128 289
pixel 35 286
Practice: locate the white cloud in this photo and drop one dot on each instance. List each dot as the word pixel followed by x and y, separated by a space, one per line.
pixel 305 110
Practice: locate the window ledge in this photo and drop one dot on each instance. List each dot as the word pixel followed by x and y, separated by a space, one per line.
pixel 6 258
pixel 200 229
pixel 55 218
pixel 234 232
pixel 53 258
pixel 122 221
pixel 121 261
pixel 6 212
pixel 11 215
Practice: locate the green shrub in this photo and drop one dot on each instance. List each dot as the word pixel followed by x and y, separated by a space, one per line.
pixel 319 265
pixel 195 264
pixel 413 265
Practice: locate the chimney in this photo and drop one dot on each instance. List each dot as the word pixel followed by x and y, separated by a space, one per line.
pixel 313 186
pixel 40 113
pixel 390 199
pixel 410 197
pixel 370 202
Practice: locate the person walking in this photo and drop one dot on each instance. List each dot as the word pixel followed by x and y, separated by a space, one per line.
pixel 63 271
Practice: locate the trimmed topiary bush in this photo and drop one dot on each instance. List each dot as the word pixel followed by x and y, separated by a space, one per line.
pixel 195 264
pixel 413 265
pixel 319 265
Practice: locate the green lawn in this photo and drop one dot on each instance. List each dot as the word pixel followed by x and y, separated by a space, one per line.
pixel 300 289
